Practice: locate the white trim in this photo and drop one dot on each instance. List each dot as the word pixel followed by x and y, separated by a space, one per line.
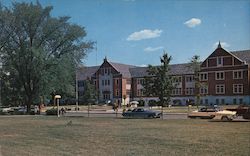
pixel 204 73
pixel 226 66
pixel 204 87
pixel 238 74
pixel 238 86
pixel 221 58
pixel 220 86
pixel 226 70
pixel 220 75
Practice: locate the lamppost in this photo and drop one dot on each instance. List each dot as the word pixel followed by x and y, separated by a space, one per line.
pixel 57 98
pixel 76 91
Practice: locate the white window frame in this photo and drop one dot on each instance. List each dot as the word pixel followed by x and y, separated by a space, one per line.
pixel 221 60
pixel 202 77
pixel 237 71
pixel 177 78
pixel 203 88
pixel 189 91
pixel 189 78
pixel 177 91
pixel 220 75
pixel 237 86
pixel 220 86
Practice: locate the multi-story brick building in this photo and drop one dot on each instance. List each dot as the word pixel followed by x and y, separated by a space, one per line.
pixel 224 77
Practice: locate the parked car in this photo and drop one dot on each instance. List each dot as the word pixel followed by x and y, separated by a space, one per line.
pixel 33 109
pixel 6 109
pixel 242 110
pixel 141 113
pixel 204 113
pixel 225 115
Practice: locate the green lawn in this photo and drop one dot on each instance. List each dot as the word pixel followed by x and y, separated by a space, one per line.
pixel 43 135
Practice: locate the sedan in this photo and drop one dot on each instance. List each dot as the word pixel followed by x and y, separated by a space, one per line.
pixel 204 113
pixel 141 113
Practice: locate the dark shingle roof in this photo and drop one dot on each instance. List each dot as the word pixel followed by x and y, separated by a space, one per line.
pixel 84 72
pixel 244 55
pixel 175 69
pixel 122 68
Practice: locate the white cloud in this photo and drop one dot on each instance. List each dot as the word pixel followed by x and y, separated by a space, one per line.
pixel 144 34
pixel 143 65
pixel 150 49
pixel 193 22
pixel 223 45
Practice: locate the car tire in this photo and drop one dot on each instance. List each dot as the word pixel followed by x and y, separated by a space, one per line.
pixel 150 116
pixel 225 118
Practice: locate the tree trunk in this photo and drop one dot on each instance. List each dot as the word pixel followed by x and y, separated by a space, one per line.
pixel 28 104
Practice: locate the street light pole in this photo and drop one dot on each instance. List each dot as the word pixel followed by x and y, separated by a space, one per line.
pixel 57 98
pixel 76 92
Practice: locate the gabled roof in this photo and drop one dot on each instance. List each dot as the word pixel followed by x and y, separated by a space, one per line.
pixel 244 55
pixel 122 68
pixel 175 69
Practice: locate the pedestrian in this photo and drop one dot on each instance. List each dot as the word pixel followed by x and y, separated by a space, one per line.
pixel 62 111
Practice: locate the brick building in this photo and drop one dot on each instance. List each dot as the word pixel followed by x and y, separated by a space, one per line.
pixel 225 79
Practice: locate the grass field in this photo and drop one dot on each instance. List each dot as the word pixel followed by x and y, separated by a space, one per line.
pixel 47 135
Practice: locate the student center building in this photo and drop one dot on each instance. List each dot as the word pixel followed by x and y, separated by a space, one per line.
pixel 225 75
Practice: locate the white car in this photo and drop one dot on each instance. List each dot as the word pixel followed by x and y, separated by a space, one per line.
pixel 6 109
pixel 225 115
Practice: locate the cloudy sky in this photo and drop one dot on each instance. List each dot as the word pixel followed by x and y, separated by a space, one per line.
pixel 138 31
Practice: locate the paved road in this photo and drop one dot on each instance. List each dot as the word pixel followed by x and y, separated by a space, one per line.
pixel 113 114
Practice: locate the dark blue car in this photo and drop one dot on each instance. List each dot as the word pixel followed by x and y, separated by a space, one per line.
pixel 141 113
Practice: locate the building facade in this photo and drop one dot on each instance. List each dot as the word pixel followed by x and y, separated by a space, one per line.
pixel 224 79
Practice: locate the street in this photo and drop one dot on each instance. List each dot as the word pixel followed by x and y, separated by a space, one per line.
pixel 110 114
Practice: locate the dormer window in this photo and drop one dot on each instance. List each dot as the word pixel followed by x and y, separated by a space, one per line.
pixel 219 61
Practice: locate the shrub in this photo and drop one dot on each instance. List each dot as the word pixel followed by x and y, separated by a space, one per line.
pixel 3 113
pixel 152 103
pixel 141 103
pixel 52 111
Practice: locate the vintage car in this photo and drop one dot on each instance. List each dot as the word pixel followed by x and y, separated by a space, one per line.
pixel 141 113
pixel 225 115
pixel 242 110
pixel 204 113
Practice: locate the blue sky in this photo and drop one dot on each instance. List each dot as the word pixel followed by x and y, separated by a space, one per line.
pixel 137 31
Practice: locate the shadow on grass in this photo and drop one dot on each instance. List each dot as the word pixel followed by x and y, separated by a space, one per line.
pixel 242 120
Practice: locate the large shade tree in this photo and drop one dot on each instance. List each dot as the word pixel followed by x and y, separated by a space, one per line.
pixel 39 52
pixel 159 82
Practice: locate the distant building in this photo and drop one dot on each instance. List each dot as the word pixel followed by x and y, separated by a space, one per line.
pixel 225 77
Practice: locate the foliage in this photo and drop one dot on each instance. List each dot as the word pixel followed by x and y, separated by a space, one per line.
pixel 159 83
pixel 152 103
pixel 90 93
pixel 195 65
pixel 40 53
pixel 141 103
pixel 52 111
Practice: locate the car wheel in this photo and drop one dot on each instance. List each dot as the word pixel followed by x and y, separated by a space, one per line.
pixel 150 116
pixel 225 118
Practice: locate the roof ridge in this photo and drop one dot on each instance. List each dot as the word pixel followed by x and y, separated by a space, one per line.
pixel 121 63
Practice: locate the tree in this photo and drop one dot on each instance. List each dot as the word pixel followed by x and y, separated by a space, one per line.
pixel 195 65
pixel 159 82
pixel 90 93
pixel 40 52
